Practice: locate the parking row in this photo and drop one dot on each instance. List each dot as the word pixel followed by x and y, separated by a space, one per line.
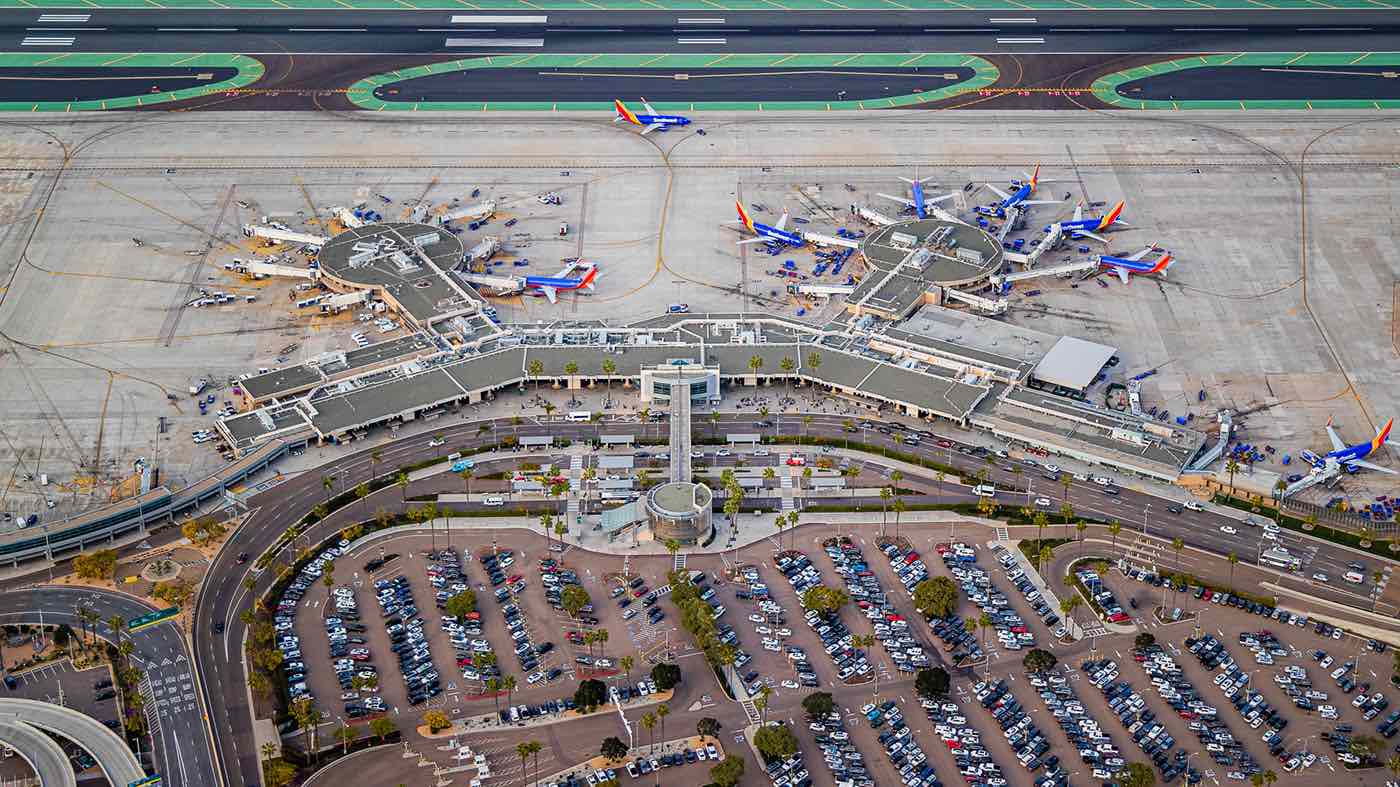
pixel 976 583
pixel 964 743
pixel 1093 744
pixel 836 638
pixel 1203 718
pixel 1017 577
pixel 906 651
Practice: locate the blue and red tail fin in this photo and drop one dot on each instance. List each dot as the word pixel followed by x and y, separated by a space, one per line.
pixel 1110 217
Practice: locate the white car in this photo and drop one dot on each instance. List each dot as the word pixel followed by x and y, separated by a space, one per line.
pixel 1043 502
pixel 789 684
pixel 1052 468
pixel 535 677
pixel 1228 530
pixel 1319 577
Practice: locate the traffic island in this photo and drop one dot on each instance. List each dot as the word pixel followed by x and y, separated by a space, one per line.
pixel 80 81
pixel 969 74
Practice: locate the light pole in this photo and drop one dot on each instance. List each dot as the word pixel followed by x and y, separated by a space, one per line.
pixel 1145 509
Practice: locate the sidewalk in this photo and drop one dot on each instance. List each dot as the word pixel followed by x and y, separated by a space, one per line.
pixel 1076 632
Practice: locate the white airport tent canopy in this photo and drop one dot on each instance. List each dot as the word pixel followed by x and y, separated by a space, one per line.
pixel 1072 363
pixel 615 462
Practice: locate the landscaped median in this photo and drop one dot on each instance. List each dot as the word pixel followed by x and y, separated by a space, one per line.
pixel 1106 87
pixel 362 93
pixel 249 71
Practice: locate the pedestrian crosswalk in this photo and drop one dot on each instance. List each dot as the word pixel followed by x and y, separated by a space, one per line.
pixel 678 561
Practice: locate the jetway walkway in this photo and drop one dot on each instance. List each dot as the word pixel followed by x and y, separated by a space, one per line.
pixel 1068 269
pixel 977 302
pixel 1227 429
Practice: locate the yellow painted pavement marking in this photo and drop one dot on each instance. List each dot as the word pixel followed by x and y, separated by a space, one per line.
pixel 120 59
pixel 1359 59
pixel 1233 59
pixel 1296 58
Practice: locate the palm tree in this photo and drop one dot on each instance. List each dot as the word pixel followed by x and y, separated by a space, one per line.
pixel 756 363
pixel 673 546
pixel 430 513
pixel 1045 555
pixel 534 370
pixel 813 362
pixel 649 722
pixel 1113 530
pixel 1079 528
pixel 116 623
pixel 898 509
pixel 401 480
pixel 806 422
pixel 609 368
pixel 793 517
pixel 535 748
pixel 1067 609
pixel 1233 559
pixel 493 685
pixel 868 641
pixel 885 494
pixel 1066 511
pixel 328 483
pixel 374 457
pixel 662 711
pixel 787 365
pixel 627 663
pixel 1270 777
pixel 1232 466
pixel 523 749
pixel 362 494
pixel 509 684
pixel 779 522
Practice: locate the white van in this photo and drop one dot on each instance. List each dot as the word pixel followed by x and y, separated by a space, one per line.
pixel 493 500
pixel 1191 505
pixel 1354 577
pixel 984 490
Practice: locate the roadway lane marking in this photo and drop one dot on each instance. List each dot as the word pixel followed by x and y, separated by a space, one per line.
pixel 961 30
pixel 835 30
pixel 48 41
pixel 1088 30
pixel 65 29
pixel 695 21
pixel 195 29
pixel 327 30
pixel 1209 29
pixel 491 19
pixel 496 42
pixel 1020 40
pixel 1023 20
pixel 1382 74
pixel 1325 29
pixel 700 41
pixel 64 17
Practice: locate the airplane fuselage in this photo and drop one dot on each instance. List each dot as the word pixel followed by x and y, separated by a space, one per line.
pixel 663 120
pixel 781 236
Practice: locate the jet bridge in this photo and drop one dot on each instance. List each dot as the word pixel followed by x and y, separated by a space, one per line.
pixel 977 302
pixel 283 236
pixel 1068 269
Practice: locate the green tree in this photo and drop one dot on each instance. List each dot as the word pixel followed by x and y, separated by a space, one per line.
pixel 613 749
pixel 96 565
pixel 382 728
pixel 931 682
pixel 707 727
pixel 436 721
pixel 1137 774
pixel 666 675
pixel 534 370
pixel 1144 640
pixel 937 597
pixel 775 742
pixel 728 773
pixel 574 598
pixel 461 604
pixel 649 723
pixel 590 694
pixel 1038 660
pixel 818 704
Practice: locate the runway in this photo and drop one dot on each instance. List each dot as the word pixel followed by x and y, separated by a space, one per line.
pixel 317 51
pixel 94 84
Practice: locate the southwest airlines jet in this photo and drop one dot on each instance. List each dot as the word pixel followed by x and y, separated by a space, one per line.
pixel 916 198
pixel 1080 227
pixel 651 121
pixel 550 286
pixel 1021 196
pixel 1350 456
pixel 1134 263
pixel 766 233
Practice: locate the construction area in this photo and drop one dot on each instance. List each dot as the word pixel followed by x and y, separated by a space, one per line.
pixel 157 283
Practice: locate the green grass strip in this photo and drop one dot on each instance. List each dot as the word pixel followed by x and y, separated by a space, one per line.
pixel 249 71
pixel 1105 88
pixel 362 92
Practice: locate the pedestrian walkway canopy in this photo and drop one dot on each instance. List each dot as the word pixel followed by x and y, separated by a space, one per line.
pixel 1073 363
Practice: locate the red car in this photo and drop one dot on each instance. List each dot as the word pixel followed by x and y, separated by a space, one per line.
pixel 513 578
pixel 945 443
pixel 797 460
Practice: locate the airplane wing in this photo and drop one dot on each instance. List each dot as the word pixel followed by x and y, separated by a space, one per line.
pixel 650 128
pixel 1122 273
pixel 1088 234
pixel 649 110
pixel 550 293
pixel 908 202
pixel 1138 255
pixel 929 201
pixel 998 192
pixel 1336 439
pixel 1040 202
pixel 759 239
pixel 1079 212
pixel 1369 466
pixel 782 222
pixel 565 271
